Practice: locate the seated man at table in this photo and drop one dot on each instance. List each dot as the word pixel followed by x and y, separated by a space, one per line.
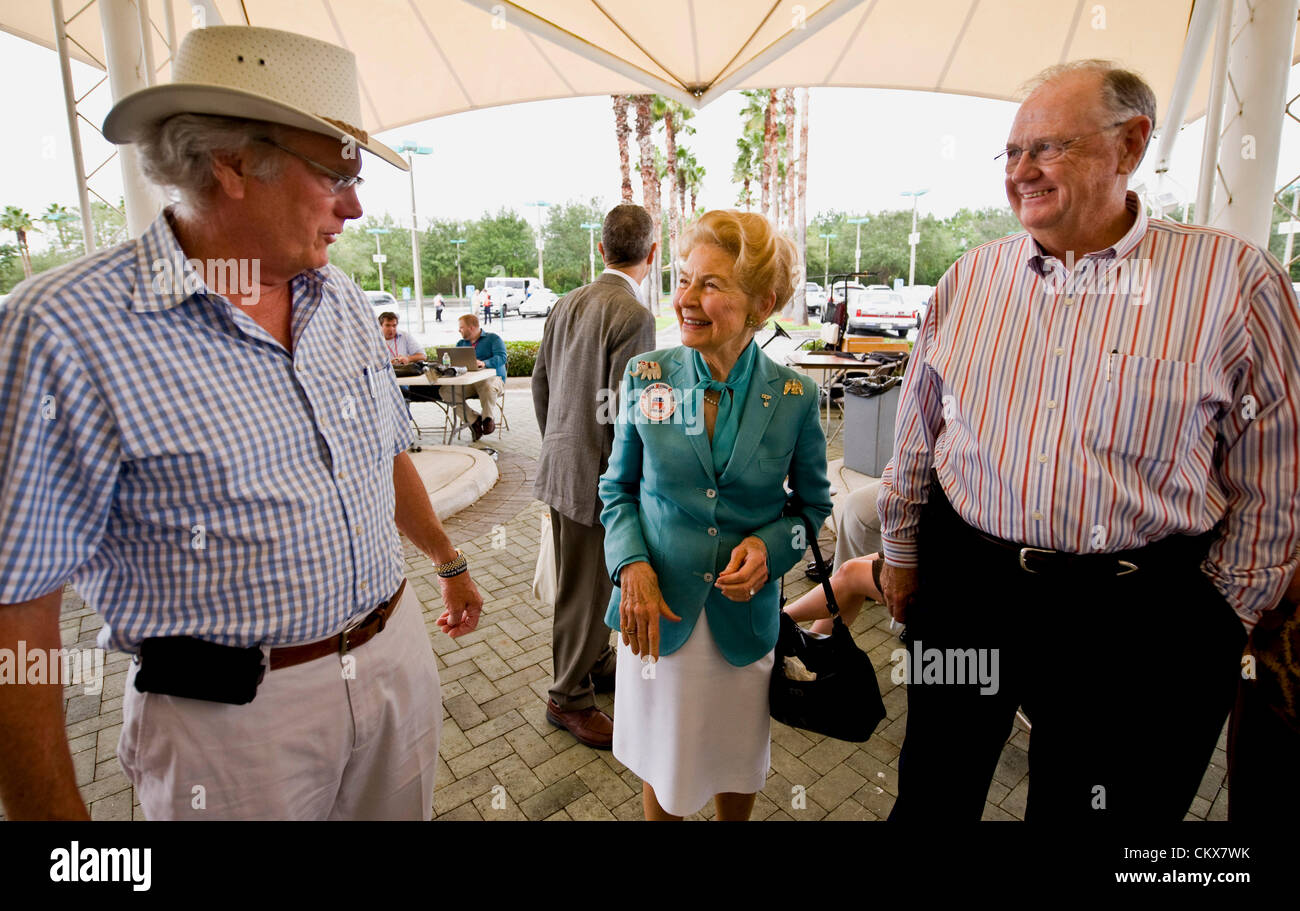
pixel 490 351
pixel 402 349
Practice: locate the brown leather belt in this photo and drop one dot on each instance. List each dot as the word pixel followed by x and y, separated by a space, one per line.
pixel 354 636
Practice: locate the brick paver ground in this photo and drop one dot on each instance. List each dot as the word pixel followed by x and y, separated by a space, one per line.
pixel 500 759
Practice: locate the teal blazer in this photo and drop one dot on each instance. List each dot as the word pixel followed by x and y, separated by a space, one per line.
pixel 664 504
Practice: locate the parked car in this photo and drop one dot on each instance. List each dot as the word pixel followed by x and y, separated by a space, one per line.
pixel 816 298
pixel 836 295
pixel 882 311
pixel 539 303
pixel 508 293
pixel 383 302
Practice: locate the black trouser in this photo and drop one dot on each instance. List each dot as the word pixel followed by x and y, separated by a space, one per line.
pixel 1126 680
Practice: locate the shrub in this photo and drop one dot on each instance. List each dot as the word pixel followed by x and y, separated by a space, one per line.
pixel 520 358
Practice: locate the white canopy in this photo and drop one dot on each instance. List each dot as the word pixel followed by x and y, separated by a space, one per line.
pixel 426 58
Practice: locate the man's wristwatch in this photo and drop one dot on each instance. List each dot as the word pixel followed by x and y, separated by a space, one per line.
pixel 452 567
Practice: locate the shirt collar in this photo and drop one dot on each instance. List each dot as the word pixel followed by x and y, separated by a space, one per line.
pixel 636 289
pixel 1041 262
pixel 165 278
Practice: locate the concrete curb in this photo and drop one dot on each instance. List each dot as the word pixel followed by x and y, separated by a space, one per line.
pixel 455 476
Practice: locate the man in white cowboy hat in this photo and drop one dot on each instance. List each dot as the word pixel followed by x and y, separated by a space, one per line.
pixel 233 517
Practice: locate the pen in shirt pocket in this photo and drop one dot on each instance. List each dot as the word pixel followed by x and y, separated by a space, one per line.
pixel 370 380
pixel 1110 361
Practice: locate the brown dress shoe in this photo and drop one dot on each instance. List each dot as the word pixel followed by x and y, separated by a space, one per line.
pixel 476 429
pixel 591 726
pixel 489 426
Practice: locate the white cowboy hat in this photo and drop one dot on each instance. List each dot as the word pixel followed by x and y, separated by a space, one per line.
pixel 257 74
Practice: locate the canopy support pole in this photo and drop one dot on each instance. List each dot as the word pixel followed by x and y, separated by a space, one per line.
pixel 1214 118
pixel 129 70
pixel 1199 31
pixel 1259 62
pixel 74 134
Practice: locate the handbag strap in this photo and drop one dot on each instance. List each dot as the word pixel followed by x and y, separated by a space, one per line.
pixel 831 604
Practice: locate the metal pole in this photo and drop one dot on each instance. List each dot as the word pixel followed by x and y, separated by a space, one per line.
pixel 826 279
pixel 415 244
pixel 146 39
pixel 591 251
pixel 857 251
pixel 74 134
pixel 1189 67
pixel 379 264
pixel 1214 117
pixel 1259 63
pixel 460 289
pixel 1290 236
pixel 125 60
pixel 911 264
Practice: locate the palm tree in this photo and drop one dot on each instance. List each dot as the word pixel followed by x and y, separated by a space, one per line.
pixel 674 117
pixel 621 132
pixel 59 216
pixel 16 220
pixel 788 100
pixel 649 187
pixel 801 196
pixel 745 169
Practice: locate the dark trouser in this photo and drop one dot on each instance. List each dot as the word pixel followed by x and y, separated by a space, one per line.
pixel 1263 750
pixel 579 637
pixel 1127 680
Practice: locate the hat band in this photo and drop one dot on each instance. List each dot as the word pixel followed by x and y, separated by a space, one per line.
pixel 356 132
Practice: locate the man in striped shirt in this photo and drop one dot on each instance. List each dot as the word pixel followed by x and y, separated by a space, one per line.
pixel 232 514
pixel 1094 481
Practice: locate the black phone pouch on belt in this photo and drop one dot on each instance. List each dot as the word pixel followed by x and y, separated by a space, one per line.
pixel 195 669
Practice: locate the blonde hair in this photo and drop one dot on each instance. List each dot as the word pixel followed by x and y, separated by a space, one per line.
pixel 764 260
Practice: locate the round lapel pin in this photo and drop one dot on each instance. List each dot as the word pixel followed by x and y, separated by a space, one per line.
pixel 658 402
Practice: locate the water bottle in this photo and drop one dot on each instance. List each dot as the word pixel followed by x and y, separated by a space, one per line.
pixel 446 359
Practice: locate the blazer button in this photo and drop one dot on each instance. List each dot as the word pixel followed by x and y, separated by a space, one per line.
pixel 708 577
pixel 710 493
pixel 713 532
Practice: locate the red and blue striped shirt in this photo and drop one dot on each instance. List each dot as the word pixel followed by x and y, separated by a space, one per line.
pixel 1148 390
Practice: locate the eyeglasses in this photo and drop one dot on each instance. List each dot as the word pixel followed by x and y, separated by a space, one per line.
pixel 1044 150
pixel 341 181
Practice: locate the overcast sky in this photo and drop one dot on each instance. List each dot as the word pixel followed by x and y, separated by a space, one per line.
pixel 865 147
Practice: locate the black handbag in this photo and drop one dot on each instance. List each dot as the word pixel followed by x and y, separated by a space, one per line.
pixel 843 701
pixel 416 369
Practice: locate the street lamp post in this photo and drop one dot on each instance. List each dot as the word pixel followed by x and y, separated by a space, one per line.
pixel 591 246
pixel 826 279
pixel 379 257
pixel 460 290
pixel 914 238
pixel 857 249
pixel 412 149
pixel 541 244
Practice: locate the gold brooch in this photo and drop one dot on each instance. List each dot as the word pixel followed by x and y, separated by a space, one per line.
pixel 767 399
pixel 793 387
pixel 647 370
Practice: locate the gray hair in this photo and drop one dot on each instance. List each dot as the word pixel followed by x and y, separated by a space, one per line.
pixel 177 152
pixel 1124 93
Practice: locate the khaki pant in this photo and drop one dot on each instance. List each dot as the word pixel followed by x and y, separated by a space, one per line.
pixel 488 392
pixel 313 744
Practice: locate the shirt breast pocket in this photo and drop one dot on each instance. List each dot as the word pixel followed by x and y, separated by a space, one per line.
pixel 1143 407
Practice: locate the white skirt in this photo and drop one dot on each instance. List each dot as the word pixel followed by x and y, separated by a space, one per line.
pixel 698 727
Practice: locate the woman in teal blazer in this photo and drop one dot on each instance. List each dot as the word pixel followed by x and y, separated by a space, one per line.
pixel 699 525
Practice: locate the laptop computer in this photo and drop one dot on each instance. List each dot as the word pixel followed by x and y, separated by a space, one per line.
pixel 460 356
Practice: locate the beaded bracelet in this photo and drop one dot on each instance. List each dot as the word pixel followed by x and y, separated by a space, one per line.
pixel 452 567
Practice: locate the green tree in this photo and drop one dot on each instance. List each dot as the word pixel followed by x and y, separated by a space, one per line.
pixel 16 220
pixel 567 243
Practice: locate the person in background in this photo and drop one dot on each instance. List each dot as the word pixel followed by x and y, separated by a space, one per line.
pixel 586 343
pixel 438 304
pixel 401 348
pixel 490 352
pixel 699 527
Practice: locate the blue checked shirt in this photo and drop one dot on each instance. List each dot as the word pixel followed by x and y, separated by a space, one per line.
pixel 187 474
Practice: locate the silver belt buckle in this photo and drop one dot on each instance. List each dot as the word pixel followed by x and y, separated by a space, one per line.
pixel 349 629
pixel 1025 550
pixel 1128 567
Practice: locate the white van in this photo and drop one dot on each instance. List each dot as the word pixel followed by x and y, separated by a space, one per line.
pixel 508 293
